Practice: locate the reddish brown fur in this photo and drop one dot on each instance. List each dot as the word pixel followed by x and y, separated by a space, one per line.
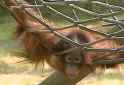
pixel 39 45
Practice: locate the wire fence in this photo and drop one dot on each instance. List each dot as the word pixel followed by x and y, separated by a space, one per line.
pixel 77 22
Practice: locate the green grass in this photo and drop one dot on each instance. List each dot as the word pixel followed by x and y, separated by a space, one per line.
pixel 7 26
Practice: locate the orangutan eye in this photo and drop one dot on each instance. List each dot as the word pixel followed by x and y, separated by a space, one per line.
pixel 77 60
pixel 68 59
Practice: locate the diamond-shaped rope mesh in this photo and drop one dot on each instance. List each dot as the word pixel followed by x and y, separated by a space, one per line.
pixel 70 11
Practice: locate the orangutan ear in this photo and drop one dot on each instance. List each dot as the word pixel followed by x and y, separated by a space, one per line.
pixel 89 57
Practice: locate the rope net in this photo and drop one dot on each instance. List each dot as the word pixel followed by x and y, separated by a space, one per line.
pixel 71 12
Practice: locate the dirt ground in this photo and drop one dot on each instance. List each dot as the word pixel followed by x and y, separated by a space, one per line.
pixel 13 73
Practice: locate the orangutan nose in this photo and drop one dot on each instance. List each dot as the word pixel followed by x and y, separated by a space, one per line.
pixel 72 72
